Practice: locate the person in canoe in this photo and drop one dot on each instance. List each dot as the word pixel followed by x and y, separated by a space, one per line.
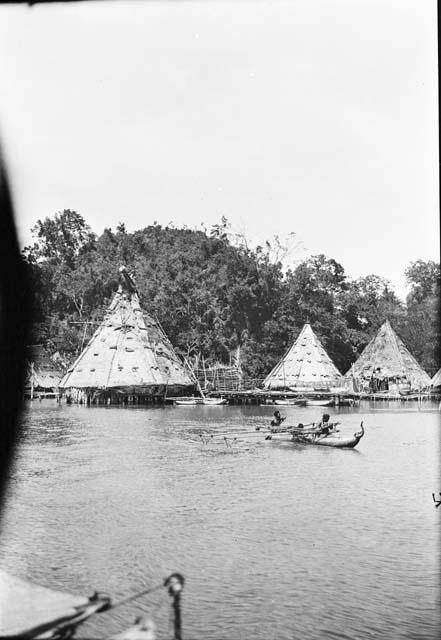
pixel 277 419
pixel 325 426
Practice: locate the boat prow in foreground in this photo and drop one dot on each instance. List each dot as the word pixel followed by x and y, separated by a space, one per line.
pixel 33 612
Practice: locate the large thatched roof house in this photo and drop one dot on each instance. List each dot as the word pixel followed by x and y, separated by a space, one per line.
pixel 128 354
pixel 387 365
pixel 305 365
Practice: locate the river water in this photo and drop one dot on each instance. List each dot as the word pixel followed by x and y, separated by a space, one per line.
pixel 276 541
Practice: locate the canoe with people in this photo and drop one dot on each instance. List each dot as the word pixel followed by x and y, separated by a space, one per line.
pixel 323 433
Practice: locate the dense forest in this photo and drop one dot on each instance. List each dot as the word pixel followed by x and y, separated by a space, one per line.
pixel 213 294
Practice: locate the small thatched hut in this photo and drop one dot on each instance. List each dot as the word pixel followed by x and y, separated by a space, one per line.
pixel 305 366
pixel 387 366
pixel 43 374
pixel 128 359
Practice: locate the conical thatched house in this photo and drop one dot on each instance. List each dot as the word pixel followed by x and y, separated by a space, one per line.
pixel 305 365
pixel 129 356
pixel 386 365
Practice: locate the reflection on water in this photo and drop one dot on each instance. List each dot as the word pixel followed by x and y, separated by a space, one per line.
pixel 276 540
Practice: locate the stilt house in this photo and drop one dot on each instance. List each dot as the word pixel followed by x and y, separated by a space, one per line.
pixel 306 366
pixel 128 359
pixel 387 366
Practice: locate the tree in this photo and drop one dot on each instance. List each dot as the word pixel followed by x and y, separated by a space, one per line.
pixel 311 293
pixel 57 264
pixel 60 239
pixel 365 304
pixel 421 331
pixel 213 293
pixel 424 280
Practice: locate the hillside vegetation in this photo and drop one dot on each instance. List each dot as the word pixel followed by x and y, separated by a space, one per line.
pixel 212 295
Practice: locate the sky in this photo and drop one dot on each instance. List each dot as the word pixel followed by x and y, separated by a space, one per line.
pixel 313 117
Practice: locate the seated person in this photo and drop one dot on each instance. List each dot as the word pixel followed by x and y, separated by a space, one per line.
pixel 324 425
pixel 277 419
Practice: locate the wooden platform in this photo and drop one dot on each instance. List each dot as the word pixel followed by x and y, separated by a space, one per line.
pixel 259 397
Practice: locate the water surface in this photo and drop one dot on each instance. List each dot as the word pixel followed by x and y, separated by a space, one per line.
pixel 276 541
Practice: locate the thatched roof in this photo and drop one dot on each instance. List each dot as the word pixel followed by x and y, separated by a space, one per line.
pixel 306 364
pixel 41 371
pixel 436 380
pixel 386 356
pixel 129 350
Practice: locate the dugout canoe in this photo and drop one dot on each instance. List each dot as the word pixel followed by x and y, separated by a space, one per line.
pixel 315 436
pixel 320 403
pixel 333 439
pixel 299 402
pixel 208 402
pixel 214 402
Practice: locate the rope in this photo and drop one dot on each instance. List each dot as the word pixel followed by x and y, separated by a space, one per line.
pixel 135 596
pixel 167 583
